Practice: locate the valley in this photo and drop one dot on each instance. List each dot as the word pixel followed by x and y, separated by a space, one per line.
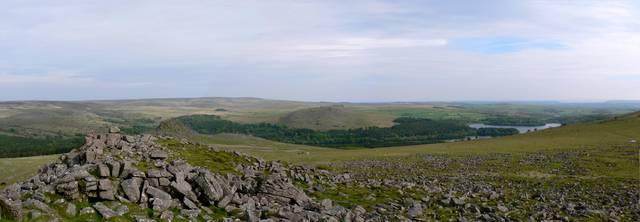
pixel 514 177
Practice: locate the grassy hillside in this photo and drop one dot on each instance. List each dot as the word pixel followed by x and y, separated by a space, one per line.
pixel 333 117
pixel 552 168
pixel 28 118
pixel 18 169
pixel 406 131
pixel 602 143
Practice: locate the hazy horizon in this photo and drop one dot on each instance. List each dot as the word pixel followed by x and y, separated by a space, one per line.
pixel 356 51
pixel 634 101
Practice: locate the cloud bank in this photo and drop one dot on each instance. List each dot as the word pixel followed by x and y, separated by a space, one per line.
pixel 321 50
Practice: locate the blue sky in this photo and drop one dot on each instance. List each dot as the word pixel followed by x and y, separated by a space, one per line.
pixel 320 50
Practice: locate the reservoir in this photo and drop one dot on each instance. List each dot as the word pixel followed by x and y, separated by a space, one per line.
pixel 521 129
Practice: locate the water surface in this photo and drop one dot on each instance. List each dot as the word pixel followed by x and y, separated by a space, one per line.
pixel 521 129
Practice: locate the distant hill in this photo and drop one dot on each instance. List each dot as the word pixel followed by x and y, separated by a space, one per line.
pixel 326 118
pixel 71 118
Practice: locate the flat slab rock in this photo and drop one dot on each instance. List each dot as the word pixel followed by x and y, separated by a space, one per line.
pixel 158 154
pixel 105 211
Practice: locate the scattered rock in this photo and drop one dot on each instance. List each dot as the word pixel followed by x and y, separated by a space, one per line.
pixel 415 210
pixel 114 129
pixel 105 211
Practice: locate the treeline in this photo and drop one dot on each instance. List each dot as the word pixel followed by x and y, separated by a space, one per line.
pixel 493 132
pixel 15 146
pixel 513 121
pixel 407 131
pixel 581 118
pixel 137 129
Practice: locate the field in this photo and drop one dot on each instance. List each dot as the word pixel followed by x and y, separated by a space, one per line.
pixel 575 172
pixel 590 137
pixel 587 136
pixel 17 169
pixel 584 166
pixel 583 171
pixel 38 118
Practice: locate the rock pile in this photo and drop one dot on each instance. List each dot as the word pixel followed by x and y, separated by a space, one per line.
pixel 114 172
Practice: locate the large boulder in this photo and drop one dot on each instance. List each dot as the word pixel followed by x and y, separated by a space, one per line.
pixel 105 211
pixel 212 186
pixel 10 209
pixel 282 190
pixel 131 188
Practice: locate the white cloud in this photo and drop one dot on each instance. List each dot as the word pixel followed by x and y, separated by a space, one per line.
pixel 47 78
pixel 356 50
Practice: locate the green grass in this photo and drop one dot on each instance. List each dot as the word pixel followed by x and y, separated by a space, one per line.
pixel 199 155
pixel 334 117
pixel 69 118
pixel 17 169
pixel 435 112
pixel 603 142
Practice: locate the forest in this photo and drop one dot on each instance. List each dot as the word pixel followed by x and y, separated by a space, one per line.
pixel 406 131
pixel 16 146
pixel 504 120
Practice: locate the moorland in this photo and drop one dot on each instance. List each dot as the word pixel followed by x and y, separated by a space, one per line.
pixel 587 169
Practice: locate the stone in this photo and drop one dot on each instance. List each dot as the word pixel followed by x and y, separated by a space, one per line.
pixel 129 139
pixel 107 194
pixel 154 182
pixel 34 214
pixel 91 156
pixel 211 187
pixel 251 215
pixel 12 209
pixel 114 129
pixel 105 211
pixel 160 205
pixel 164 182
pixel 106 188
pixel 359 210
pixel 184 189
pixel 91 186
pixel 192 214
pixel 225 201
pixel 71 209
pixel 189 204
pixel 502 208
pixel 131 188
pixel 103 170
pixel 115 168
pixel 158 154
pixel 326 204
pixel 87 210
pixel 457 201
pixel 105 184
pixel 157 193
pixel 156 173
pixel 275 186
pixel 415 210
pixel 36 204
pixel 121 210
pixel 139 218
pixel 166 215
pixel 69 190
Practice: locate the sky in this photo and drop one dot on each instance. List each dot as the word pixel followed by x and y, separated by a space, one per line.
pixel 359 51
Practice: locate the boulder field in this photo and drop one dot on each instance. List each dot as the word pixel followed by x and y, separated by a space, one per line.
pixel 115 176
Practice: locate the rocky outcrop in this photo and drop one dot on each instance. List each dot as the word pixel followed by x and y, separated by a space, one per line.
pixel 113 171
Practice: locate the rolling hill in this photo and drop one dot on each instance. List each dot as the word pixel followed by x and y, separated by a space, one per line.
pixel 38 118
pixel 600 138
pixel 332 117
pixel 513 177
